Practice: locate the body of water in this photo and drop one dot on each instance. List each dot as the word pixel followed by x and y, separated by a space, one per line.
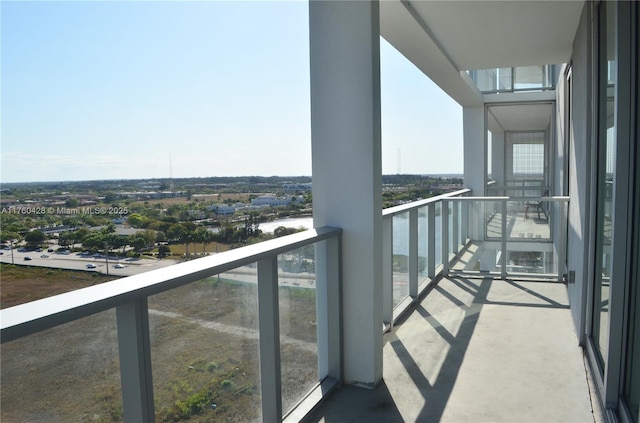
pixel 400 232
pixel 293 222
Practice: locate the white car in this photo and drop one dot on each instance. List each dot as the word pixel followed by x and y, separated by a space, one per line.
pixel 91 266
pixel 119 266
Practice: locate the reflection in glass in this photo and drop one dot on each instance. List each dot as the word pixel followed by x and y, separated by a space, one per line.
pixel 606 171
pixel 438 245
pixel 632 373
pixel 63 374
pixel 204 349
pixel 298 331
pixel 423 238
pixel 400 257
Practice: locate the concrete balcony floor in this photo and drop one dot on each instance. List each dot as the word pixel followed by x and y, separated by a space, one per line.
pixel 477 350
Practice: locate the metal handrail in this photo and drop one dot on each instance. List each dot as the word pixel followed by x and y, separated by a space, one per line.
pixel 402 208
pixel 35 316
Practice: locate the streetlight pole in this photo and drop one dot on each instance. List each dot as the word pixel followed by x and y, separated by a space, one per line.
pixel 106 256
pixel 12 260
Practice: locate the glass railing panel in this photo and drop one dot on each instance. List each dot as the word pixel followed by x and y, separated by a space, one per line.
pixel 423 243
pixel 523 78
pixel 505 79
pixel 69 373
pixel 204 349
pixel 298 327
pixel 528 219
pixel 529 237
pixel 481 226
pixel 529 78
pixel 400 257
pixel 492 219
pixel 438 237
pixel 451 242
pixel 485 79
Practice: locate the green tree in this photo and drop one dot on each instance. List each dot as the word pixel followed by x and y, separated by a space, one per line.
pixel 35 238
pixel 163 251
pixel 204 236
pixel 137 242
pixel 9 236
pixel 138 221
pixel 94 241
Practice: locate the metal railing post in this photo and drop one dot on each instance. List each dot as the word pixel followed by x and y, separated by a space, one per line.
pixel 562 248
pixel 387 271
pixel 413 253
pixel 465 223
pixel 329 306
pixel 503 239
pixel 269 325
pixel 134 347
pixel 445 237
pixel 431 240
pixel 456 229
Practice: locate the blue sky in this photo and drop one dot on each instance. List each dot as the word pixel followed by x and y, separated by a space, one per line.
pixel 112 90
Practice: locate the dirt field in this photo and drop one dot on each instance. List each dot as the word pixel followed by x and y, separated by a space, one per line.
pixel 21 284
pixel 204 341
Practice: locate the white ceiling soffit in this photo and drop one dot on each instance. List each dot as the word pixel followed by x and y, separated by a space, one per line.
pixel 443 38
pixel 402 31
pixel 519 117
pixel 492 34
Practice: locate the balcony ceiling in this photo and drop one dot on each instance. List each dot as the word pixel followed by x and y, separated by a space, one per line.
pixel 519 117
pixel 443 38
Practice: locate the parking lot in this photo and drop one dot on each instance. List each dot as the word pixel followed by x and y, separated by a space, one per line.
pixel 56 259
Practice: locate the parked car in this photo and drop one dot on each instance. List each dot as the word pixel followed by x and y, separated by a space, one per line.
pixel 91 266
pixel 50 250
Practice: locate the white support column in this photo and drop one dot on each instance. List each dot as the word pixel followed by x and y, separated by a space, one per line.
pixel 474 149
pixel 346 163
pixel 134 347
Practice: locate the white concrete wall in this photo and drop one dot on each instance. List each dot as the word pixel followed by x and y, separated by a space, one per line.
pixel 347 170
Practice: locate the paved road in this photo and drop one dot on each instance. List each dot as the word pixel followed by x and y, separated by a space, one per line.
pixel 76 262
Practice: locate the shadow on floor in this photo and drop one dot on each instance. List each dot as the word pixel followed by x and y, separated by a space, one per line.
pixel 475 350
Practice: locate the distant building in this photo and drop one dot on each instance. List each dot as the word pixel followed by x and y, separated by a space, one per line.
pixel 222 209
pixel 272 201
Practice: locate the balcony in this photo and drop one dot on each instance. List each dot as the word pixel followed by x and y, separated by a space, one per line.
pixel 474 350
pixel 513 79
pixel 255 334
